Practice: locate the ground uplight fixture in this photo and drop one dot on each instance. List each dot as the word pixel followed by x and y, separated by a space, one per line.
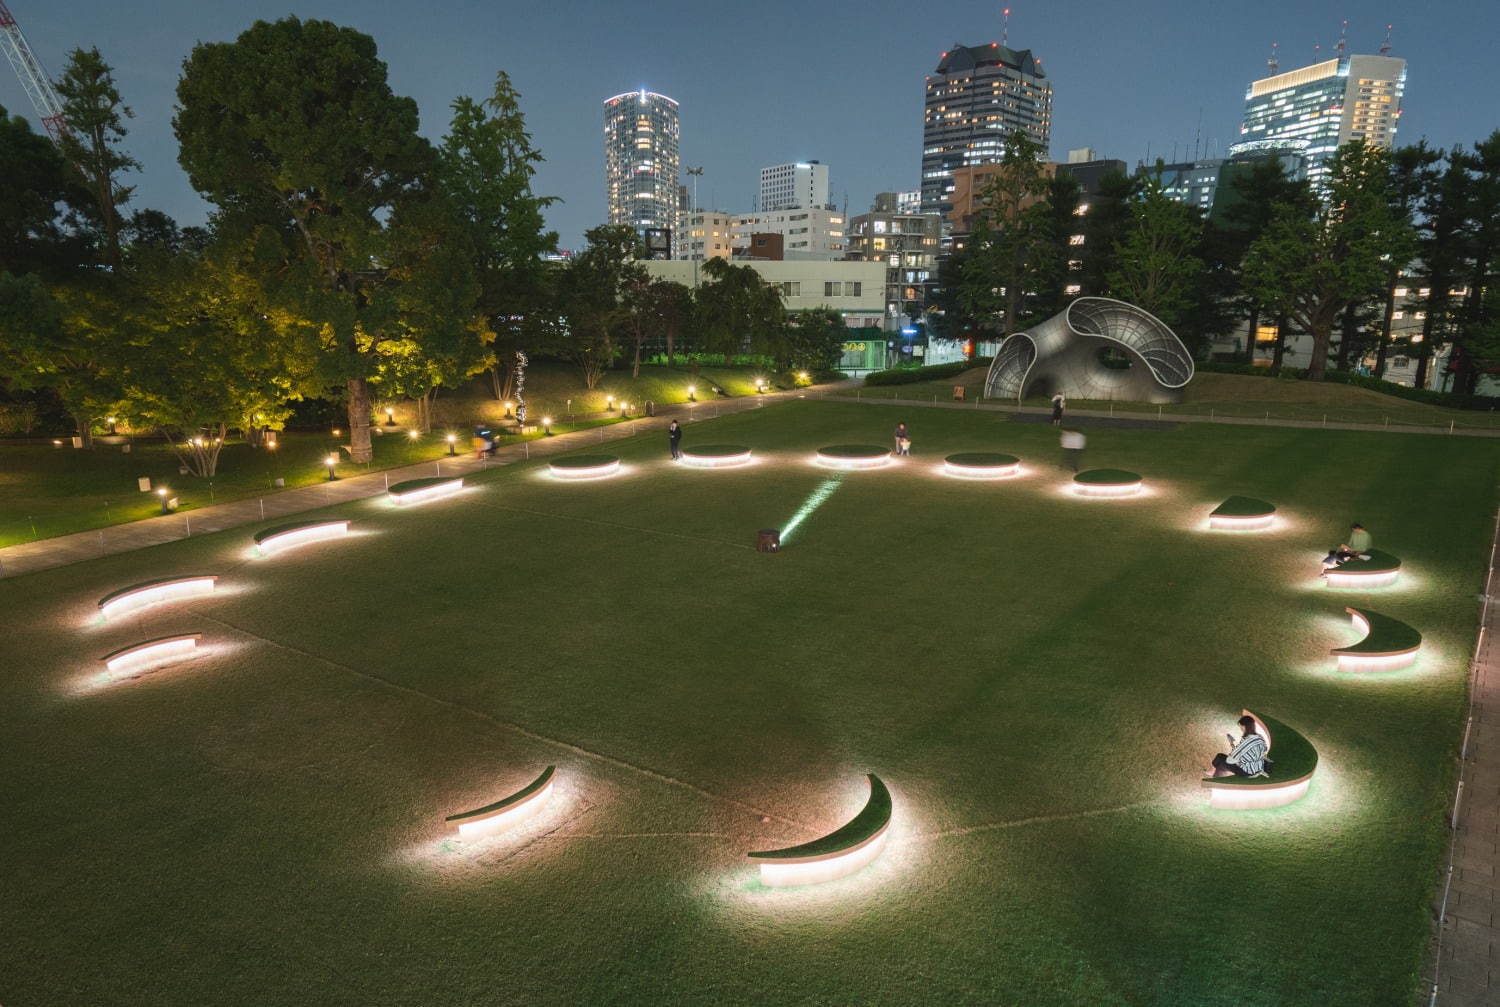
pixel 413 434
pixel 452 440
pixel 390 416
pixel 331 461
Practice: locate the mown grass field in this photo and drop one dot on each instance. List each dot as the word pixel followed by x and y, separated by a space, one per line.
pixel 1038 678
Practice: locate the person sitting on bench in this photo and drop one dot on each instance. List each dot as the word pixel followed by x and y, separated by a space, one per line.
pixel 1247 757
pixel 1358 547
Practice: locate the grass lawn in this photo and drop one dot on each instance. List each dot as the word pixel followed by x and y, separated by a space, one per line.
pixel 47 491
pixel 1238 395
pixel 1038 678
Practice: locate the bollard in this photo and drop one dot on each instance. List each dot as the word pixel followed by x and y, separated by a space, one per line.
pixel 189 522
pixel 101 543
pixel 526 451
pixel 262 508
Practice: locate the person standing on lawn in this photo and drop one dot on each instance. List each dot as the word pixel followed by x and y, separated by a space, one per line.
pixel 674 438
pixel 1072 447
pixel 903 439
pixel 1059 403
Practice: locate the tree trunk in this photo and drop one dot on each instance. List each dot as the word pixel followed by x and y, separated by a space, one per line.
pixel 1346 336
pixel 1424 351
pixel 635 369
pixel 1385 325
pixel 671 348
pixel 1279 352
pixel 359 421
pixel 1317 365
pixel 424 409
pixel 1251 333
pixel 85 429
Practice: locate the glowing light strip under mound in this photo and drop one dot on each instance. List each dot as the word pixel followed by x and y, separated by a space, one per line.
pixel 1228 523
pixel 1272 795
pixel 1375 662
pixel 716 461
pixel 1107 490
pixel 1346 579
pixel 980 471
pixel 425 493
pixel 508 816
pixel 813 870
pixel 609 468
pixel 301 536
pixel 152 594
pixel 172 648
pixel 834 462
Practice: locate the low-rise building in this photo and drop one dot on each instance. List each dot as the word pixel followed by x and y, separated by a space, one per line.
pixel 808 232
pixel 856 290
pixel 907 243
pixel 709 235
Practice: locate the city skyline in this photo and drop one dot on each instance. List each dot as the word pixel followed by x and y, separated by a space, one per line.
pixel 810 96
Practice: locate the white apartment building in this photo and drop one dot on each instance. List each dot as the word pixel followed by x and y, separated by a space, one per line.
pixel 809 232
pixel 788 186
pixel 708 234
pixel 856 290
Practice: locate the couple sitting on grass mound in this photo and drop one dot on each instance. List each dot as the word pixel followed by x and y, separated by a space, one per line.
pixel 1358 547
pixel 1246 757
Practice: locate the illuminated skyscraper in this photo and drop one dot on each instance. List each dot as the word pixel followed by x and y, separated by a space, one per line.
pixel 641 163
pixel 1312 111
pixel 976 98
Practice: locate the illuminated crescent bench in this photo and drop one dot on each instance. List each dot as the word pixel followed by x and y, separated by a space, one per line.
pixel 153 592
pixel 840 853
pixel 716 455
pixel 1379 570
pixel 853 456
pixel 300 533
pixel 508 812
pixel 163 650
pixel 981 465
pixel 585 467
pixel 1242 514
pixel 421 490
pixel 1388 644
pixel 1291 761
pixel 1107 483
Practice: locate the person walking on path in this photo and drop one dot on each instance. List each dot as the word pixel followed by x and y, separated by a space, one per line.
pixel 1059 403
pixel 674 437
pixel 903 439
pixel 1072 447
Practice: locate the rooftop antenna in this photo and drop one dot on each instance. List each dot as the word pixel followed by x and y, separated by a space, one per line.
pixel 1385 47
pixel 1343 33
pixel 1272 64
pixel 1005 28
pixel 1198 133
pixel 1317 52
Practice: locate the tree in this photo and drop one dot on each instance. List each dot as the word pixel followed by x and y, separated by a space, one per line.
pixel 815 340
pixel 1412 175
pixel 1103 225
pixel 1156 267
pixel 738 312
pixel 654 306
pixel 592 289
pixel 315 165
pixel 1478 316
pixel 1059 264
pixel 1011 233
pixel 1247 208
pixel 95 118
pixel 486 163
pixel 1310 266
pixel 40 193
pixel 1442 245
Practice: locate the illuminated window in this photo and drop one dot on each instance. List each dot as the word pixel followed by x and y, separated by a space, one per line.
pixel 1265 333
pixel 1073 289
pixel 1076 239
pixel 1398 314
pixel 1400 291
pixel 1425 291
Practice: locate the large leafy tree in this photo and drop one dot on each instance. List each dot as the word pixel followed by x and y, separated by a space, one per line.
pixel 1241 215
pixel 40 195
pixel 1443 236
pixel 1055 268
pixel 814 340
pixel 592 291
pixel 1011 234
pixel 1156 263
pixel 315 166
pixel 1311 265
pixel 95 117
pixel 738 312
pixel 1413 171
pixel 654 307
pixel 1104 223
pixel 486 163
pixel 1480 314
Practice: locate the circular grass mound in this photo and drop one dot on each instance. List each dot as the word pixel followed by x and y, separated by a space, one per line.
pixel 1107 477
pixel 982 460
pixel 417 484
pixel 717 451
pixel 853 452
pixel 1244 507
pixel 585 466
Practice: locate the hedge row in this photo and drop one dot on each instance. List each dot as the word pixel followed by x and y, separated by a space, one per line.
pixel 912 375
pixel 1449 400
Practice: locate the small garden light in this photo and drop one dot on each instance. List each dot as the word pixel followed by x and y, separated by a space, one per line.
pixel 760 386
pixel 452 440
pixel 414 434
pixel 547 425
pixel 692 393
pixel 390 416
pixel 337 432
pixel 803 377
pixel 161 491
pixel 508 407
pixel 609 402
pixel 331 461
pixel 111 421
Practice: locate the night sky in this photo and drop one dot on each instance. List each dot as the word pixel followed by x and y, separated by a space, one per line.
pixel 768 82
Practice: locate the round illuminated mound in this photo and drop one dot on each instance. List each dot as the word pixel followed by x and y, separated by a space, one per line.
pixel 583 466
pixel 412 485
pixel 299 526
pixel 853 452
pixel 980 464
pixel 1107 477
pixel 1244 507
pixel 717 454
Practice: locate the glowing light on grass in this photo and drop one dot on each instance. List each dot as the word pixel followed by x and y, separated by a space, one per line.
pixel 813 502
pixel 301 535
pixel 420 490
pixel 585 467
pixel 132 599
pixel 151 653
pixel 1400 641
pixel 507 812
pixel 836 855
pixel 1384 578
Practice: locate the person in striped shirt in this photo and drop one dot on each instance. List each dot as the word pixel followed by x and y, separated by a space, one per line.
pixel 1247 757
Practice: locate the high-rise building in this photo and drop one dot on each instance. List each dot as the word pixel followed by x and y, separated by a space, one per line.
pixel 641 164
pixel 976 98
pixel 1313 110
pixel 794 186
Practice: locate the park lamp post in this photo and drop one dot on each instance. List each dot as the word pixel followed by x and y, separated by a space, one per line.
pixel 414 435
pixel 547 425
pixel 330 461
pixel 452 440
pixel 692 393
pixel 760 386
pixel 609 402
pixel 111 421
pixel 161 491
pixel 804 377
pixel 508 407
pixel 390 416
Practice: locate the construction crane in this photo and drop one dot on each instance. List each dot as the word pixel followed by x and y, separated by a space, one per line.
pixel 34 79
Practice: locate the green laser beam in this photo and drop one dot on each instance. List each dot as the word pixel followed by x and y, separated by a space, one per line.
pixel 812 503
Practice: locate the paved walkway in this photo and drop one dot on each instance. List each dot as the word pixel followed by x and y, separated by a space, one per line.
pixel 1465 961
pixel 1165 417
pixel 29 557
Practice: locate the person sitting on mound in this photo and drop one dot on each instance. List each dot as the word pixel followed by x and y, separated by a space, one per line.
pixel 1358 547
pixel 1247 757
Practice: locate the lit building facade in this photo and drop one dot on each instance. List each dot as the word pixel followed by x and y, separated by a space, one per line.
pixel 975 99
pixel 907 242
pixel 856 290
pixel 794 186
pixel 1314 110
pixel 707 234
pixel 641 162
pixel 811 232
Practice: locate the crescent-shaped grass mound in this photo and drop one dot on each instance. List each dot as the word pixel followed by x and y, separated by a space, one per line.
pixel 871 821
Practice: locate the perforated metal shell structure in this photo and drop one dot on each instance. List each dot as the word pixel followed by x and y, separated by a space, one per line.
pixel 1064 354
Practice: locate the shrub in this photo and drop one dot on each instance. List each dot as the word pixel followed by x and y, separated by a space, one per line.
pixel 1427 396
pixel 933 372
